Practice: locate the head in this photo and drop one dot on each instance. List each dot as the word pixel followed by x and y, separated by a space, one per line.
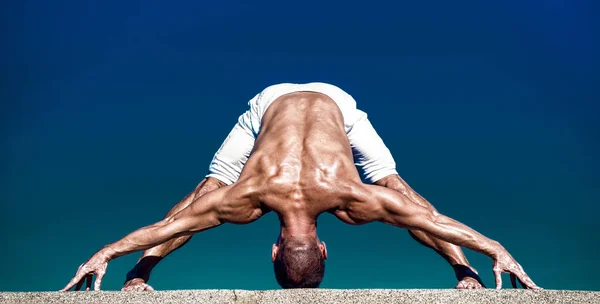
pixel 299 261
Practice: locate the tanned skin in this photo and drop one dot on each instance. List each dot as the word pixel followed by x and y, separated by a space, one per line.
pixel 137 279
pixel 467 276
pixel 302 166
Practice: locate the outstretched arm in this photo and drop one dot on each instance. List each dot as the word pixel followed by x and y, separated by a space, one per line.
pixel 228 204
pixel 224 169
pixel 465 274
pixel 390 207
pixel 376 165
pixel 140 274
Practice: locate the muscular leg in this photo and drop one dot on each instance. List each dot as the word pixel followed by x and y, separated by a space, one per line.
pixel 465 274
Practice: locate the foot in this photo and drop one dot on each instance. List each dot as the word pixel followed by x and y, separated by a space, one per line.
pixel 467 277
pixel 136 284
pixel 469 283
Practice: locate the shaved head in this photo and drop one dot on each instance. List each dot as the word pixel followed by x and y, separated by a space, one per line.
pixel 299 263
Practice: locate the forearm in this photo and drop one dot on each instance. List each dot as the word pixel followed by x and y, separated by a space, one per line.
pixel 201 215
pixel 450 230
pixel 450 252
pixel 401 212
pixel 141 239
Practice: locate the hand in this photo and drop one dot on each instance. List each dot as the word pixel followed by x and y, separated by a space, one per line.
pixel 95 265
pixel 505 263
pixel 136 284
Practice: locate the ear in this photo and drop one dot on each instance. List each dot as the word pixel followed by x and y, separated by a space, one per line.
pixel 323 249
pixel 274 251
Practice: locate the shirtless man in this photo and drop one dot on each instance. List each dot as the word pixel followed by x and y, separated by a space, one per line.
pixel 372 158
pixel 301 166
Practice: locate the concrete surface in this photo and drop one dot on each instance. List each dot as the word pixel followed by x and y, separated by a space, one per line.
pixel 316 296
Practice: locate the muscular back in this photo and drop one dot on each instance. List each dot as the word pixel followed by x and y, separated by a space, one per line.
pixel 302 160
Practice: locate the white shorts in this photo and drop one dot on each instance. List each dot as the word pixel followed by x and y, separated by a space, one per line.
pixel 371 157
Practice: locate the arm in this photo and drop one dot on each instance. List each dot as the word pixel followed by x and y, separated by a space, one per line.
pixel 228 204
pixel 465 274
pixel 198 216
pixel 394 209
pixel 225 169
pixel 140 274
pixel 376 165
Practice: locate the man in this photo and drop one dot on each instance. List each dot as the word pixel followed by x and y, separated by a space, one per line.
pixel 372 159
pixel 301 166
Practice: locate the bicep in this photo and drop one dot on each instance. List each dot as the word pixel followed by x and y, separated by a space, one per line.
pixel 396 209
pixel 235 203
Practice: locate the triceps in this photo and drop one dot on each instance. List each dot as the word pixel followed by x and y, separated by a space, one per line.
pixel 201 214
pixel 241 204
pixel 363 207
pixel 379 203
pixel 399 210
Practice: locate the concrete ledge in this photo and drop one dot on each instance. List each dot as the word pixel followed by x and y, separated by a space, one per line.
pixel 308 296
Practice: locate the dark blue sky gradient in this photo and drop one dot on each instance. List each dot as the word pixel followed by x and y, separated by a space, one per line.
pixel 112 111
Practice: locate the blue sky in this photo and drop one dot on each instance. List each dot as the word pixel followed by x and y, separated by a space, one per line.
pixel 112 112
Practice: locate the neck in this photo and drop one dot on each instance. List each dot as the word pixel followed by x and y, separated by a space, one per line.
pixel 298 226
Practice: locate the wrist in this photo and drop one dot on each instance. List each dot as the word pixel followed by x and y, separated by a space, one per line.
pixel 109 253
pixel 496 250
